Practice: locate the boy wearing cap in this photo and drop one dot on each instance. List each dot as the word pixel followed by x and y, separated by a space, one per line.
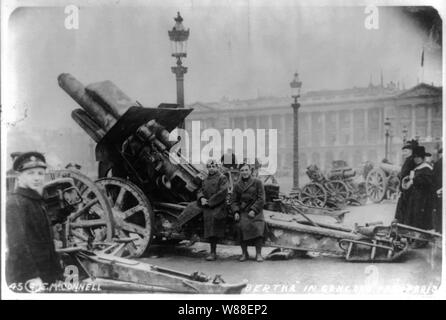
pixel 31 255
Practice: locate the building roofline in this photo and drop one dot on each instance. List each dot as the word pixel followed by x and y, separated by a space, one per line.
pixel 283 103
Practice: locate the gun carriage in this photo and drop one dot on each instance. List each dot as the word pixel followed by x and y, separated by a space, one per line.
pixel 382 182
pixel 334 190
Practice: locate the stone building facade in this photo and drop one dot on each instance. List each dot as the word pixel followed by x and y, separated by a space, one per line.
pixel 336 124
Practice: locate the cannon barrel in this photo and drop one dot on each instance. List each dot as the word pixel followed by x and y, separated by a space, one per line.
pixel 88 124
pixel 134 139
pixel 389 168
pixel 104 119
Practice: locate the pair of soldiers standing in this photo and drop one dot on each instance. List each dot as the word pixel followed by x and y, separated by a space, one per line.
pixel 419 204
pixel 247 205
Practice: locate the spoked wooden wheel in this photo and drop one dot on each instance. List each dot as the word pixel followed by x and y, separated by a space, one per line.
pixel 375 184
pixel 393 187
pixel 338 189
pixel 313 194
pixel 91 221
pixel 132 213
pixel 362 194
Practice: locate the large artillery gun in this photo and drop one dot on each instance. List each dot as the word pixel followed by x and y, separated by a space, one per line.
pixel 148 184
pixel 336 189
pixel 382 182
pixel 85 233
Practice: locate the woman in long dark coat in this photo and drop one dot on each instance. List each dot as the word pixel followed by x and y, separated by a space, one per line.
pixel 408 165
pixel 420 203
pixel 247 204
pixel 212 199
pixel 438 192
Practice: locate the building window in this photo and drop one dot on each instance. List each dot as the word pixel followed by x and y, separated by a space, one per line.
pixel 303 160
pixel 303 163
pixel 357 158
pixel 251 122
pixel 372 156
pixel 188 125
pixel 359 126
pixel 315 159
pixel 331 132
pixel 238 123
pixel 405 120
pixel 329 157
pixel 289 130
pixel 343 155
pixel 208 123
pixel 304 134
pixel 289 161
pixel 345 127
pixel 282 161
pixel 264 124
pixel 373 125
pixel 421 121
pixel 437 123
pixel 316 128
pixel 277 125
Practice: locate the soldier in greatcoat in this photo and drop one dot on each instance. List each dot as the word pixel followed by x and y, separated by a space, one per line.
pixel 31 255
pixel 247 204
pixel 212 199
pixel 211 204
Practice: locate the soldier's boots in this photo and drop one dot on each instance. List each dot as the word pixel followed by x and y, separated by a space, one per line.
pixel 259 258
pixel 244 257
pixel 211 257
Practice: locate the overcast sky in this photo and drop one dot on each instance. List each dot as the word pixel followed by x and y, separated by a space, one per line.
pixel 236 52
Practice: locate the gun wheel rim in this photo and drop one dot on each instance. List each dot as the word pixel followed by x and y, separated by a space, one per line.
pixel 339 189
pixel 93 217
pixel 313 194
pixel 132 213
pixel 376 185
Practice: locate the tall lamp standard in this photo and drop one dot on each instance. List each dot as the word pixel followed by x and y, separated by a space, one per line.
pixel 178 38
pixel 387 125
pixel 295 85
pixel 405 132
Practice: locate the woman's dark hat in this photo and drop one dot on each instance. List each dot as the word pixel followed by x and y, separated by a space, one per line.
pixel 419 151
pixel 29 160
pixel 411 144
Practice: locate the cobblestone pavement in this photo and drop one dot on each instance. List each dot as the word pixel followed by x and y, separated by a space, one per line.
pixel 418 273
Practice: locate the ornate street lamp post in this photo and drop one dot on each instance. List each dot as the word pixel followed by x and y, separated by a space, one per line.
pixel 295 85
pixel 178 37
pixel 387 125
pixel 405 132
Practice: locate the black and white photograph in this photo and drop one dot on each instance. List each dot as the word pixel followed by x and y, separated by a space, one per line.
pixel 244 149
